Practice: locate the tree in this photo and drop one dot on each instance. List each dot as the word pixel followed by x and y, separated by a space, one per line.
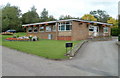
pixel 113 21
pixel 0 19
pixel 115 31
pixel 101 15
pixel 11 18
pixel 30 16
pixel 33 9
pixel 51 18
pixel 44 15
pixel 89 17
pixel 119 20
pixel 62 17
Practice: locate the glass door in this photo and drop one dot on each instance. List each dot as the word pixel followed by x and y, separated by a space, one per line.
pixel 93 30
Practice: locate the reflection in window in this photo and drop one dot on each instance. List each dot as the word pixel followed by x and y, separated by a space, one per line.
pixel 48 29
pixel 41 29
pixel 54 28
pixel 35 29
pixel 91 28
pixel 66 26
pixel 105 29
pixel 30 29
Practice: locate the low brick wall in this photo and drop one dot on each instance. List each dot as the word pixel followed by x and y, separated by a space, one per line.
pixel 73 52
pixel 64 38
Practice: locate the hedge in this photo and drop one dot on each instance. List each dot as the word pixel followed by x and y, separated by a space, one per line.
pixel 115 31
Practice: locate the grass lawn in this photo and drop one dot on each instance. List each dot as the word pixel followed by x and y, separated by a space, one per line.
pixel 52 49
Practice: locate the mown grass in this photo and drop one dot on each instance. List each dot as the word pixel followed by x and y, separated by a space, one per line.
pixel 53 49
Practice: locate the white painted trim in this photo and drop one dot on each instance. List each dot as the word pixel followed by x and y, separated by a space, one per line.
pixel 107 29
pixel 70 23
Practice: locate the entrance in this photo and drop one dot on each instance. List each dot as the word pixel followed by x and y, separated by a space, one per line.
pixel 93 30
pixel 50 36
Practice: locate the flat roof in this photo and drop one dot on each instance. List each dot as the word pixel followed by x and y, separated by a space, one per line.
pixel 65 21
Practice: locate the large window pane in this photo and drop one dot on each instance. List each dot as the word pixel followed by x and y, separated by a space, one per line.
pixel 35 29
pixel 54 28
pixel 30 29
pixel 68 27
pixel 63 27
pixel 48 29
pixel 105 29
pixel 41 29
pixel 91 28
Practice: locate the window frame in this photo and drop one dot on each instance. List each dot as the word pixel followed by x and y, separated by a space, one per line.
pixel 65 24
pixel 34 29
pixel 50 28
pixel 31 29
pixel 91 27
pixel 54 28
pixel 106 29
pixel 43 29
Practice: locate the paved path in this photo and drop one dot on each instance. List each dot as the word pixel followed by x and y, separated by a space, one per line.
pixel 93 59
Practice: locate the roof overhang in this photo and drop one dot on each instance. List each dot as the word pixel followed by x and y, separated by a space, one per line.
pixel 85 21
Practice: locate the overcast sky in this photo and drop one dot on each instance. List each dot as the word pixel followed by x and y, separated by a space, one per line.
pixel 75 8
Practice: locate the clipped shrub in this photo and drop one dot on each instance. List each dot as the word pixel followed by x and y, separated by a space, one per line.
pixel 115 31
pixel 119 37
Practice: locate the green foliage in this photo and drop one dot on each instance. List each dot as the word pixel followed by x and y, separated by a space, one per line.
pixel 112 21
pixel 119 37
pixel 62 17
pixel 53 49
pixel 115 31
pixel 119 21
pixel 0 19
pixel 89 17
pixel 11 18
pixel 45 17
pixel 51 18
pixel 101 15
pixel 30 16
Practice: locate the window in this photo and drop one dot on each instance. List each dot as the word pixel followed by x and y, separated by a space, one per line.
pixel 30 29
pixel 35 29
pixel 41 29
pixel 54 28
pixel 67 26
pixel 62 27
pixel 105 29
pixel 91 28
pixel 48 29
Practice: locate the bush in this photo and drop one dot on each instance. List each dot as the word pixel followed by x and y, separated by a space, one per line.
pixel 115 31
pixel 119 37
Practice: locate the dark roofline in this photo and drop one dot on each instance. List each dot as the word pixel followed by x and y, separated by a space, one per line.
pixel 67 20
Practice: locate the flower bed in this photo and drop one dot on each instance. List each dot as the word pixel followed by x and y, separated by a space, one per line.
pixel 23 38
pixel 16 39
pixel 7 33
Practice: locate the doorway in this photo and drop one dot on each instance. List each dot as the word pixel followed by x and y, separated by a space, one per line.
pixel 93 30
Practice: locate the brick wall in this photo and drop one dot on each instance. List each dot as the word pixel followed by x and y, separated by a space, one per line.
pixel 43 35
pixel 79 31
pixel 68 38
pixel 64 33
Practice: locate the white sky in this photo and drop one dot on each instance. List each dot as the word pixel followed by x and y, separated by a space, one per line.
pixel 75 8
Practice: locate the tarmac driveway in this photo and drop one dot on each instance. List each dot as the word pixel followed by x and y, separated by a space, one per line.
pixel 93 59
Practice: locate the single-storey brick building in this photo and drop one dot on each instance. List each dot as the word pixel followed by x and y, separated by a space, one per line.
pixel 70 29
